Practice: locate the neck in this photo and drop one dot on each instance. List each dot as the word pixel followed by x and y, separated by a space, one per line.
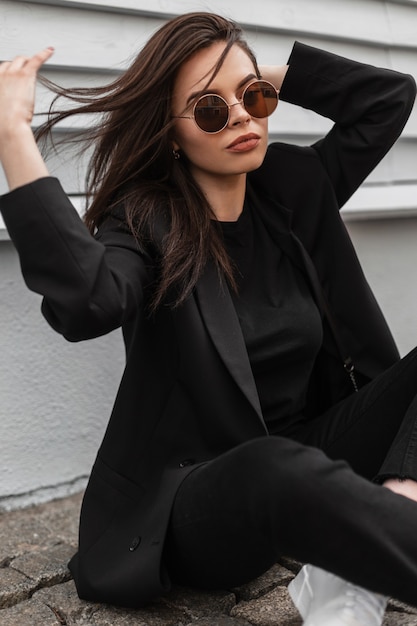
pixel 225 195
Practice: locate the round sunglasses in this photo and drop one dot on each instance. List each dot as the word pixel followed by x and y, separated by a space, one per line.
pixel 211 112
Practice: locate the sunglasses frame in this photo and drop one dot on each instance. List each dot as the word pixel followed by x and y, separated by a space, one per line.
pixel 229 106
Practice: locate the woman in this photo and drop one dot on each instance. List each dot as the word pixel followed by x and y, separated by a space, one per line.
pixel 263 404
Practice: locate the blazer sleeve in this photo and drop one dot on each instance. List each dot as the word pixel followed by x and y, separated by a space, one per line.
pixel 369 106
pixel 91 285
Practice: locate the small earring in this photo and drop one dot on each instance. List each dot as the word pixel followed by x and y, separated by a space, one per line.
pixel 176 154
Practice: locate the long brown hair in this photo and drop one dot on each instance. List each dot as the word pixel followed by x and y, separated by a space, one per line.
pixel 133 165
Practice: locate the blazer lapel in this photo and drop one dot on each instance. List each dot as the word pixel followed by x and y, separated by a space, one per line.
pixel 222 323
pixel 277 220
pixel 216 305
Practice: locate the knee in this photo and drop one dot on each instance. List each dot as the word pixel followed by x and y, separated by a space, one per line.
pixel 278 470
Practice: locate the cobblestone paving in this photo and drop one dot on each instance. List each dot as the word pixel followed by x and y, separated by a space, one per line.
pixel 36 587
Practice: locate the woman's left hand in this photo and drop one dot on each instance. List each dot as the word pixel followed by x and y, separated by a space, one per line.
pixel 275 74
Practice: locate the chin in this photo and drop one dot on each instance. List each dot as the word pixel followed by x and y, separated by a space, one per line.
pixel 255 162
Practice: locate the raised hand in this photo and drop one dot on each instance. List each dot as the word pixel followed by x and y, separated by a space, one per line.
pixel 19 155
pixel 17 89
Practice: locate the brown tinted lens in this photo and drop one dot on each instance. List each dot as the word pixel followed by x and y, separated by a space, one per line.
pixel 260 99
pixel 211 113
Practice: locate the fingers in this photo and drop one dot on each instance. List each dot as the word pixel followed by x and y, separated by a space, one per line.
pixel 40 58
pixel 16 64
pixel 30 63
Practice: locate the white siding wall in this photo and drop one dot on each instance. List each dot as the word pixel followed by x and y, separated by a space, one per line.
pixel 56 397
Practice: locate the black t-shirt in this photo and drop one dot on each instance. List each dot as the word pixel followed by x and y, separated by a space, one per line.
pixel 280 321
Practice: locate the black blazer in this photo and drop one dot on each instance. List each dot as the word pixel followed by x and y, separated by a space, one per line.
pixel 187 393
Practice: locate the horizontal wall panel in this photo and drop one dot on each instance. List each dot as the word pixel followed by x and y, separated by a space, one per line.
pixel 402 24
pixel 382 201
pixel 348 20
pixel 88 39
pixel 82 39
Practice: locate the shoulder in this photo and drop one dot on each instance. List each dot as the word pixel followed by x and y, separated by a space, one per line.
pixel 279 150
pixel 287 164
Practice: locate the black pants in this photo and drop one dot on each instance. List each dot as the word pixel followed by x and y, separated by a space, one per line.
pixel 311 494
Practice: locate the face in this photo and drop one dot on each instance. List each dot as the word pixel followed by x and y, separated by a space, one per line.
pixel 240 147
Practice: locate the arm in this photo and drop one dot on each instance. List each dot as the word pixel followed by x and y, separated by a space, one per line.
pixel 369 106
pixel 90 285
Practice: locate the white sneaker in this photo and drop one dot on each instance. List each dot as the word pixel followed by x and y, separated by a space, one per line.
pixel 324 599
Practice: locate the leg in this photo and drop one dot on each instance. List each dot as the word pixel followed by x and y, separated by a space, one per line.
pixel 374 430
pixel 407 487
pixel 233 517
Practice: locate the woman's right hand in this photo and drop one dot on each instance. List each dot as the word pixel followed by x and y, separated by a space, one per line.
pixel 19 154
pixel 17 90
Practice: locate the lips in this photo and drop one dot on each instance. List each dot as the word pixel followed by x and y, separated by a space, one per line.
pixel 244 141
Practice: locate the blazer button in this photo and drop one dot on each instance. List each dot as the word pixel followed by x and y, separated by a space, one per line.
pixel 135 543
pixel 187 462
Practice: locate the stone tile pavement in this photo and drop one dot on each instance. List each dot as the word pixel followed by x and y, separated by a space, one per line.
pixel 36 588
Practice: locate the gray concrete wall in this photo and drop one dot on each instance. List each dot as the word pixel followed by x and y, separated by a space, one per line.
pixel 56 397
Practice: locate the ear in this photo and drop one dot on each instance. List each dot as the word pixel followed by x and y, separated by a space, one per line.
pixel 175 146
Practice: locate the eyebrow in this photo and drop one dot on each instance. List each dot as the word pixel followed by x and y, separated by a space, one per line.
pixel 206 91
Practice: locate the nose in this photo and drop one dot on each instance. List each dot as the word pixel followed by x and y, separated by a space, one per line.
pixel 238 114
